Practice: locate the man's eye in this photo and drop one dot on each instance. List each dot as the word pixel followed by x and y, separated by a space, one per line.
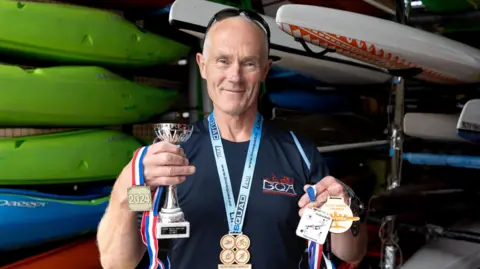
pixel 222 61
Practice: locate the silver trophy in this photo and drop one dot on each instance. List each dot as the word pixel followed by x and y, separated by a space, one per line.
pixel 172 222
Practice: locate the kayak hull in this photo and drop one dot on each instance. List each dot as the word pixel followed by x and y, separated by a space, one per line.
pixel 104 39
pixel 311 101
pixel 29 221
pixel 73 157
pixel 383 43
pixel 76 96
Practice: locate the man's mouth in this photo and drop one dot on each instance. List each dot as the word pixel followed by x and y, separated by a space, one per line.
pixel 234 91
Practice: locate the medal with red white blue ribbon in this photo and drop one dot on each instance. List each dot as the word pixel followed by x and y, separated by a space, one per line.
pixel 143 199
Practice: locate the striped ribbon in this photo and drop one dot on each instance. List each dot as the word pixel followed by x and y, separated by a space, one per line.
pixel 149 219
pixel 316 255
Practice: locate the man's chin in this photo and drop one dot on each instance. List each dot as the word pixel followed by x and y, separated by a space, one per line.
pixel 233 111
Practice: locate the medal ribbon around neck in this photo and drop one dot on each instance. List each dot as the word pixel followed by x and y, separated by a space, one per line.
pixel 150 218
pixel 235 222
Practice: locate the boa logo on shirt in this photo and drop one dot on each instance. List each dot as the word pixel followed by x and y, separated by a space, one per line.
pixel 283 186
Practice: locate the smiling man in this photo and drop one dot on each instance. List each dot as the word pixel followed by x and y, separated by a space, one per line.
pixel 233 155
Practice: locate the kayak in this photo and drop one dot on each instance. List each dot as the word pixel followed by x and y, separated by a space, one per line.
pixel 73 157
pixel 80 254
pixel 80 96
pixel 130 4
pixel 28 220
pixel 384 43
pixel 312 101
pixel 468 125
pixel 72 34
pixel 357 6
pixel 445 253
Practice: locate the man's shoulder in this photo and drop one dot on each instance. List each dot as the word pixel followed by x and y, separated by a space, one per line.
pixel 286 136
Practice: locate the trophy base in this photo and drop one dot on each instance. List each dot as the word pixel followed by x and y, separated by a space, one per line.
pixel 173 230
pixel 234 266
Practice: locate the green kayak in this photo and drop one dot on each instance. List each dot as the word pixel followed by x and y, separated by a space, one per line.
pixel 66 157
pixel 443 6
pixel 76 96
pixel 80 35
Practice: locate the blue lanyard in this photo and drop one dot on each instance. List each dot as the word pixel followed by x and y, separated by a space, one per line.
pixel 235 212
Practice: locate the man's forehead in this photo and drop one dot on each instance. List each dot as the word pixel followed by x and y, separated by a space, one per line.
pixel 237 23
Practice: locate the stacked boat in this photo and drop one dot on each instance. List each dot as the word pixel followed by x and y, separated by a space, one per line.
pixel 61 147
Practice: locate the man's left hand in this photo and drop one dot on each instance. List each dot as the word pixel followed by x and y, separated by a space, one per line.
pixel 328 186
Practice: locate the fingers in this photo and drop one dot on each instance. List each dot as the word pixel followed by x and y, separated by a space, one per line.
pixel 326 187
pixel 305 199
pixel 164 158
pixel 165 146
pixel 169 171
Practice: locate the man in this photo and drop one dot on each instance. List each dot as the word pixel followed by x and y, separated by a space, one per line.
pixel 234 63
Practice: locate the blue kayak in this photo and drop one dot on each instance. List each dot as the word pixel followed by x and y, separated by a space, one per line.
pixel 31 218
pixel 311 101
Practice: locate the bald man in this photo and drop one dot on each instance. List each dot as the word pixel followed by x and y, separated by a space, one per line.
pixel 211 174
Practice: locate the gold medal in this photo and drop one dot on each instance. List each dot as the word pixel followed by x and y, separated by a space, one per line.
pixel 139 198
pixel 342 216
pixel 235 254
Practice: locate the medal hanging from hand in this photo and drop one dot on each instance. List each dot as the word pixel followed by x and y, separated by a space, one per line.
pixel 342 216
pixel 334 216
pixel 235 244
pixel 142 199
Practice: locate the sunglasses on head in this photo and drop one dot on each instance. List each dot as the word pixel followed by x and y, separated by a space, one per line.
pixel 233 12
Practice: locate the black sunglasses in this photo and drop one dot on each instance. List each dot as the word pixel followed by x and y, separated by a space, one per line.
pixel 233 12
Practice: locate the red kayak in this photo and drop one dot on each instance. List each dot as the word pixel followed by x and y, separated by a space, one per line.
pixel 80 254
pixel 357 6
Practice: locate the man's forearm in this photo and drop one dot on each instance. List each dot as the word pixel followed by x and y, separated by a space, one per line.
pixel 350 248
pixel 119 240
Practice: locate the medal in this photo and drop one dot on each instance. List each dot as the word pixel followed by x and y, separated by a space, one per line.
pixel 139 198
pixel 235 245
pixel 314 225
pixel 341 214
pixel 235 254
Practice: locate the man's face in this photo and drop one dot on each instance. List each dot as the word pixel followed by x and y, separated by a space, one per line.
pixel 234 65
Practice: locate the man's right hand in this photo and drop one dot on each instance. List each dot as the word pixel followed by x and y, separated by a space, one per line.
pixel 165 164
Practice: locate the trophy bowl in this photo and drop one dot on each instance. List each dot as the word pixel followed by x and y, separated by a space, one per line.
pixel 175 133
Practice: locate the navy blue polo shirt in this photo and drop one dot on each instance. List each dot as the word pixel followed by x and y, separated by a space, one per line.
pixel 272 213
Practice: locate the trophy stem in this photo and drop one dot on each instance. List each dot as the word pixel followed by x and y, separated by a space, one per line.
pixel 171 211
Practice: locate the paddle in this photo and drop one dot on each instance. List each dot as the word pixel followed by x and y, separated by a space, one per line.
pixel 468 125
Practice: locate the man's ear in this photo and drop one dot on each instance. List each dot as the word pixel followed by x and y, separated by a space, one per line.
pixel 267 68
pixel 201 64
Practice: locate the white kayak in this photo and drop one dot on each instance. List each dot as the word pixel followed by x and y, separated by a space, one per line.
pixel 448 253
pixel 192 16
pixel 383 43
pixel 468 125
pixel 432 126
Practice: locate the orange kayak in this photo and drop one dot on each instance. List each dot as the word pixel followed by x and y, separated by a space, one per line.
pixel 80 254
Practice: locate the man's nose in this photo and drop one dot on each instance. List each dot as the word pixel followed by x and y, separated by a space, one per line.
pixel 234 73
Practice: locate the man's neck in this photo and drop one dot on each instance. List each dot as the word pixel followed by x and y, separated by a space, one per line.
pixel 236 128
